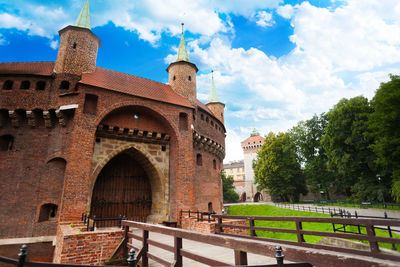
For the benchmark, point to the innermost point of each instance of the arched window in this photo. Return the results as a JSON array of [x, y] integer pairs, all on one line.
[[190, 78], [64, 85], [6, 142], [174, 78], [8, 85], [207, 119], [25, 85], [199, 160], [40, 85], [214, 164], [48, 212], [202, 117], [183, 121], [74, 46]]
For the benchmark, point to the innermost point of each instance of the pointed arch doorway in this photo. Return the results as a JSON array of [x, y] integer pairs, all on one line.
[[122, 188]]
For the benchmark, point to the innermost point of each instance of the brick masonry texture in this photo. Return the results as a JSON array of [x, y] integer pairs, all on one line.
[[210, 227], [60, 144], [74, 246]]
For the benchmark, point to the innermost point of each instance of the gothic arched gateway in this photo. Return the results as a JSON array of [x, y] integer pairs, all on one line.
[[122, 188]]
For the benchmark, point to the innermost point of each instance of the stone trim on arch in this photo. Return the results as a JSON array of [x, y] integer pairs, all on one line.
[[155, 162]]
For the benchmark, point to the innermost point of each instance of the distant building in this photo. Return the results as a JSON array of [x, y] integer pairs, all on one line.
[[236, 170], [250, 148]]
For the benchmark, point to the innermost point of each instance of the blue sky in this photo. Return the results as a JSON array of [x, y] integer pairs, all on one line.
[[276, 62]]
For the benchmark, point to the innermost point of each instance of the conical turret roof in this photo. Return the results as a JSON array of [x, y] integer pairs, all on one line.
[[213, 92], [182, 51], [83, 20]]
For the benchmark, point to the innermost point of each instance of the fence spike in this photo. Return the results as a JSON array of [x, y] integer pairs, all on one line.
[[279, 256], [22, 255], [131, 259]]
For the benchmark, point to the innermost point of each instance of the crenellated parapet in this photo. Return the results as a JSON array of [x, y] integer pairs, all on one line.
[[208, 145]]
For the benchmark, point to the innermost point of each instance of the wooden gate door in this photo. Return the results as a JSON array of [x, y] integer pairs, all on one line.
[[122, 188]]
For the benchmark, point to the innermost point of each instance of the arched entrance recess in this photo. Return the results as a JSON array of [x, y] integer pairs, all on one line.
[[243, 197], [258, 197], [122, 188], [129, 184]]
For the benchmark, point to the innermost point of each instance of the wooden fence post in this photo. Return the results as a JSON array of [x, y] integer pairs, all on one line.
[[177, 251], [299, 227], [145, 259], [371, 236], [240, 257], [252, 231], [126, 241]]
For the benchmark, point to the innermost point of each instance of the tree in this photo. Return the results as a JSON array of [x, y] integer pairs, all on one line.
[[384, 123], [347, 145], [307, 137], [228, 190], [278, 168]]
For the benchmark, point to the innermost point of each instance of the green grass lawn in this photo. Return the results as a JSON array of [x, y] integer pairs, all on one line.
[[268, 210]]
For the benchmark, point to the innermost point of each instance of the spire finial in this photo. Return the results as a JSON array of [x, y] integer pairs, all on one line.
[[182, 52], [213, 92], [83, 20]]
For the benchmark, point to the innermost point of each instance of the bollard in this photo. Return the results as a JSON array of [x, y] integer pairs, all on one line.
[[131, 259], [279, 256], [22, 255]]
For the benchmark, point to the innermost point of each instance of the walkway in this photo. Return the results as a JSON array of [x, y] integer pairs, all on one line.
[[222, 254]]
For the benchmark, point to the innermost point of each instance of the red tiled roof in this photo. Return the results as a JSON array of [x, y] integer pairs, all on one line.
[[37, 68], [253, 139], [133, 85], [107, 79]]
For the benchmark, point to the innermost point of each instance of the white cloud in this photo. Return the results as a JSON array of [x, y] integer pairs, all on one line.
[[3, 40], [285, 11], [8, 21], [54, 44], [264, 19]]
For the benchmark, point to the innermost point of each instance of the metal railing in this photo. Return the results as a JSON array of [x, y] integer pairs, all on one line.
[[369, 224], [91, 222], [201, 216]]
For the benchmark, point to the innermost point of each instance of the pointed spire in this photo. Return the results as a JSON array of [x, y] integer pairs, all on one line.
[[182, 52], [83, 20], [213, 92]]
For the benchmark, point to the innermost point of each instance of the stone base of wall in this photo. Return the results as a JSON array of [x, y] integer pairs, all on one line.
[[210, 227], [75, 246]]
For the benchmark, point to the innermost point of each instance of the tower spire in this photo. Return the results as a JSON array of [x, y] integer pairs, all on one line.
[[182, 52], [83, 20], [213, 92]]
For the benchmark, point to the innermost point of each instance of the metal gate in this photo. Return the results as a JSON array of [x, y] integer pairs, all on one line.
[[122, 188]]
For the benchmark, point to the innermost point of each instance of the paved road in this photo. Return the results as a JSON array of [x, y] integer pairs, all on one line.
[[219, 253]]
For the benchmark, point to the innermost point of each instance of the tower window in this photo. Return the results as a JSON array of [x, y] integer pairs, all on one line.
[[207, 119], [8, 85], [64, 85], [212, 123], [199, 160], [40, 85], [202, 117], [190, 78], [48, 212], [6, 142], [74, 46], [25, 85], [214, 164], [90, 105], [174, 78]]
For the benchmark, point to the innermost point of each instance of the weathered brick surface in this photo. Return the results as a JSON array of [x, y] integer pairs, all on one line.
[[210, 227], [74, 246], [56, 159]]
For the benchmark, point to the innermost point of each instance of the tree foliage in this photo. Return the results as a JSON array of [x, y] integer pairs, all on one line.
[[278, 168], [384, 123], [307, 137], [228, 190]]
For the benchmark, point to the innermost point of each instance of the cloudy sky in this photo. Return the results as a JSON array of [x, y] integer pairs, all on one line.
[[276, 62]]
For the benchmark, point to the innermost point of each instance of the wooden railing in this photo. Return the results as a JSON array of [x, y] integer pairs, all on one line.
[[240, 246], [369, 224]]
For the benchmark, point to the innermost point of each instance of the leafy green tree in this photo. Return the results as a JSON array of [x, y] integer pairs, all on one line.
[[347, 145], [307, 137], [228, 190], [278, 168], [384, 123]]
